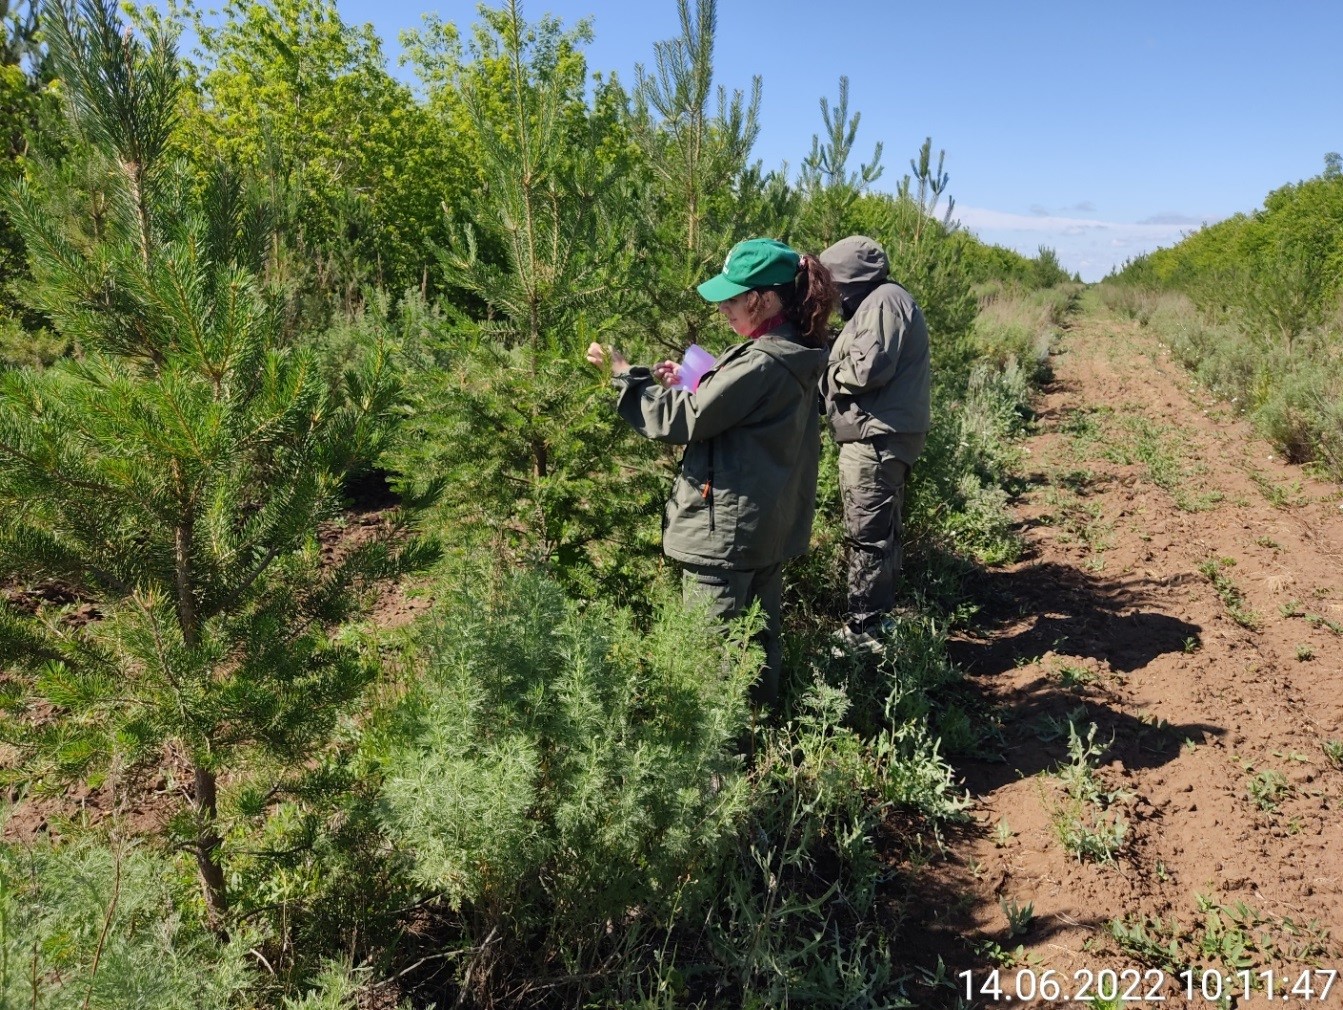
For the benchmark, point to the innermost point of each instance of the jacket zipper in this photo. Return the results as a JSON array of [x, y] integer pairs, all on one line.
[[706, 492]]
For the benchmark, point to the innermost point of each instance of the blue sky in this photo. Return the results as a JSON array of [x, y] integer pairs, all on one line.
[[1099, 129]]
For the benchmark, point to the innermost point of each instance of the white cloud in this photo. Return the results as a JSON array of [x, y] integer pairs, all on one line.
[[1084, 245]]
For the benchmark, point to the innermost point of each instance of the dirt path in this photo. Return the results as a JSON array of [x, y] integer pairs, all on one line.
[[1182, 592]]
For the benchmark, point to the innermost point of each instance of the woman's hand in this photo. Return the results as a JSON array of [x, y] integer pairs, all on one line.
[[667, 374], [597, 355]]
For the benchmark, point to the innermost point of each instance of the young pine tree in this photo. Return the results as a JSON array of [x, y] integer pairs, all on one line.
[[829, 188], [174, 477], [702, 195], [924, 258], [513, 421]]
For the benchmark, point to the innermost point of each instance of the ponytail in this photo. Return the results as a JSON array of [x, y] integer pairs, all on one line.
[[809, 300]]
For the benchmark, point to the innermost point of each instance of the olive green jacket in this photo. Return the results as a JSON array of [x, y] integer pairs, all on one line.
[[746, 493], [878, 378]]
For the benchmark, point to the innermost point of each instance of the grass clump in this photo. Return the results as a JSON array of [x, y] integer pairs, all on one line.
[[1214, 569]]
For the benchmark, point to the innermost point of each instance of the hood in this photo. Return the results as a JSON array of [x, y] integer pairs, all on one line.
[[856, 260], [859, 266]]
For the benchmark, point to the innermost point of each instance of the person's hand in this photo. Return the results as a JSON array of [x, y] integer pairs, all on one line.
[[597, 355], [667, 373]]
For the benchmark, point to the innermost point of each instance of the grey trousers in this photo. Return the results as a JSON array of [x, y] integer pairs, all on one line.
[[872, 475], [730, 594]]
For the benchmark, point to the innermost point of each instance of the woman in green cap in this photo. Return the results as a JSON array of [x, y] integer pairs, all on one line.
[[744, 499]]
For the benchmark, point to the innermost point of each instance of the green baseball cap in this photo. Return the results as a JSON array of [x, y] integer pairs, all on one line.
[[753, 263]]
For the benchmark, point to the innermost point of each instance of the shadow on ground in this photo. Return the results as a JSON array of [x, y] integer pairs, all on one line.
[[1035, 609], [1043, 607]]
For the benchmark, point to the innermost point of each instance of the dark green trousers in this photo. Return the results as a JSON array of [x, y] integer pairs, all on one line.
[[872, 475], [730, 594]]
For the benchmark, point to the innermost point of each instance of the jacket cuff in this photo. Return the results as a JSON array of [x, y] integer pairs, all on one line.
[[636, 374]]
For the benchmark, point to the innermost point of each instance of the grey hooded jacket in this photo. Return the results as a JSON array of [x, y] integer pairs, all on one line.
[[878, 378], [746, 493]]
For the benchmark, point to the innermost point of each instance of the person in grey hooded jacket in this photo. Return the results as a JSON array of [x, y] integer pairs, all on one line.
[[877, 398], [745, 496]]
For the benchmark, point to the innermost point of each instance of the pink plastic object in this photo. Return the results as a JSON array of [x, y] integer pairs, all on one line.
[[694, 364]]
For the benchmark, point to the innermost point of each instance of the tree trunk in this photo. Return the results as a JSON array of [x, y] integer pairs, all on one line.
[[207, 851]]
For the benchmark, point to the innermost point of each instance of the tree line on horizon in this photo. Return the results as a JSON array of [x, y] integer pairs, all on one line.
[[1254, 308]]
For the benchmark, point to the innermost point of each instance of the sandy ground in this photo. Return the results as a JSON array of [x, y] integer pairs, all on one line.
[[1182, 591]]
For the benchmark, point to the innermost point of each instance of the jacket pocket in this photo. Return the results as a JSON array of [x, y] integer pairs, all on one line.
[[846, 419]]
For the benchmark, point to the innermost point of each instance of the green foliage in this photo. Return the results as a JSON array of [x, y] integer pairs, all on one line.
[[829, 189], [292, 93], [539, 785], [698, 193], [176, 476], [1233, 599], [957, 493], [526, 446], [1079, 819], [86, 926], [556, 769], [1266, 332]]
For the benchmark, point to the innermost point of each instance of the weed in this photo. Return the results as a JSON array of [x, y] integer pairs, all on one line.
[[1214, 569], [1294, 609], [1151, 939], [1079, 821], [1082, 521], [1269, 543], [1085, 425], [1019, 917], [1316, 621], [1333, 751], [992, 951], [1282, 496], [1267, 789], [1228, 938], [1075, 676], [1099, 840], [1077, 481], [1049, 728], [1304, 653], [1159, 449], [1191, 644]]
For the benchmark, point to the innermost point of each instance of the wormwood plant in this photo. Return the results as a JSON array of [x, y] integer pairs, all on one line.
[[84, 926], [174, 477], [956, 493], [565, 781]]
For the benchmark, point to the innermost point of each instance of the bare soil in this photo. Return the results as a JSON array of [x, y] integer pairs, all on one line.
[[1182, 590]]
